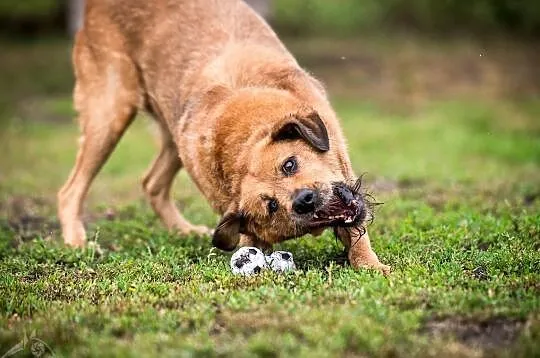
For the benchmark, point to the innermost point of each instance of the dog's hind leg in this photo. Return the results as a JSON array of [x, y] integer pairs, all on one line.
[[105, 96], [157, 186]]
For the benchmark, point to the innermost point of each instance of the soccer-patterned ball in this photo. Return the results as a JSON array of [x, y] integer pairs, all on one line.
[[281, 261], [248, 261]]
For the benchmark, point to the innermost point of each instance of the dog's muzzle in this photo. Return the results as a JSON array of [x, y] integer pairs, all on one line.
[[342, 209]]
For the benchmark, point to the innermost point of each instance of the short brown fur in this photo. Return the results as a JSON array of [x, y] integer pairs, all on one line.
[[221, 86]]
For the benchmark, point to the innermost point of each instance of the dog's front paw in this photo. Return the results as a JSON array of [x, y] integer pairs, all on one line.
[[382, 268], [74, 234]]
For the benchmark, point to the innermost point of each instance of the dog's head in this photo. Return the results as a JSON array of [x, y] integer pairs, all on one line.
[[294, 184]]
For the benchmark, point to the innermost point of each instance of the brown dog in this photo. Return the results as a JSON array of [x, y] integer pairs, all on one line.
[[255, 132]]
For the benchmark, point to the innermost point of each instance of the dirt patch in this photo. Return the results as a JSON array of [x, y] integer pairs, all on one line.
[[19, 205], [27, 218], [251, 322], [28, 226], [45, 109], [385, 185], [487, 334], [414, 70], [480, 273], [530, 198]]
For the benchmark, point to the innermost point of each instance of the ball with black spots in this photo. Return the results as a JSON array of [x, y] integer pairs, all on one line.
[[248, 261], [281, 261]]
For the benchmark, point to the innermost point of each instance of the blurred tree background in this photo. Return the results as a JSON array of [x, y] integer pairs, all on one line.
[[328, 18], [32, 17], [403, 53], [349, 17]]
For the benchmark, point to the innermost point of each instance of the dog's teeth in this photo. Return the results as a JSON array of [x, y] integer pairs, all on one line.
[[315, 216]]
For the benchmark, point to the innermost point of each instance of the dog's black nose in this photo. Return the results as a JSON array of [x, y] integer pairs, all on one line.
[[344, 193], [304, 202]]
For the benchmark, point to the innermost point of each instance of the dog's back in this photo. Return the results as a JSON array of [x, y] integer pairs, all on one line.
[[168, 41]]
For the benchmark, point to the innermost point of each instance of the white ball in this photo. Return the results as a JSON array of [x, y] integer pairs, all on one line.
[[281, 261], [248, 261]]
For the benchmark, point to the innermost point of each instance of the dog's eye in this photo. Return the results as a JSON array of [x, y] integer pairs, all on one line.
[[272, 206], [290, 166]]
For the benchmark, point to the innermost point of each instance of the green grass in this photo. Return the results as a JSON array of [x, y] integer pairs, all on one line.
[[460, 226]]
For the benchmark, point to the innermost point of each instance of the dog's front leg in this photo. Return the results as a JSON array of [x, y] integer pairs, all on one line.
[[359, 249]]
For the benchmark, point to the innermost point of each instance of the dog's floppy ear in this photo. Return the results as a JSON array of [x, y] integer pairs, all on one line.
[[227, 233], [309, 128]]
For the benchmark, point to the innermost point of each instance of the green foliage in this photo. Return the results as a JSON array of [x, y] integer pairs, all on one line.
[[349, 17], [320, 17], [27, 8]]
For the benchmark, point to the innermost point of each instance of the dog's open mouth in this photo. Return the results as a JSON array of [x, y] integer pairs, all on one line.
[[346, 208]]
